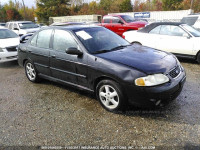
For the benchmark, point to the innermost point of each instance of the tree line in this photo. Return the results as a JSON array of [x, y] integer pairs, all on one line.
[[15, 11], [52, 8]]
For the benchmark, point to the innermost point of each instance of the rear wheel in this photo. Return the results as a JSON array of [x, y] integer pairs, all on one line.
[[198, 57], [31, 72], [110, 95]]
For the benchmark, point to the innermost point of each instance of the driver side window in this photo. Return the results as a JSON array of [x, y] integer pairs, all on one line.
[[63, 40], [172, 30], [116, 20]]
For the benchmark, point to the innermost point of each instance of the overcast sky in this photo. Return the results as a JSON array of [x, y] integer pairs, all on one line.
[[30, 3]]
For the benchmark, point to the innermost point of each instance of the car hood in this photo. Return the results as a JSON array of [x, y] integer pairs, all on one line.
[[142, 58], [9, 42]]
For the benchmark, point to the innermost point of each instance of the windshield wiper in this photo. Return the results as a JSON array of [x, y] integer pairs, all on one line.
[[119, 47], [113, 49], [101, 51]]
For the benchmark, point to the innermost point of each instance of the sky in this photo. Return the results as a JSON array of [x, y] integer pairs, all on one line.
[[31, 3], [28, 3]]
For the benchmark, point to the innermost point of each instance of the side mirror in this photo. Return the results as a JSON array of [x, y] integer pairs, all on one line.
[[73, 51], [186, 35], [25, 38], [15, 29], [121, 22]]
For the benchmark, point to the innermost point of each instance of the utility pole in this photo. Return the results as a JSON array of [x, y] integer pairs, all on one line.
[[24, 10], [191, 5]]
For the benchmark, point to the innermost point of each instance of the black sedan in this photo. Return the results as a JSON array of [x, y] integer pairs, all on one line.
[[98, 60]]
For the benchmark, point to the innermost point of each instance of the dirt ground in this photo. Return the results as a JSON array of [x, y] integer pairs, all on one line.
[[50, 114]]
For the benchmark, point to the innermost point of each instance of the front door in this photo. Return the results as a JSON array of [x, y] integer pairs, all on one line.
[[175, 40], [65, 66]]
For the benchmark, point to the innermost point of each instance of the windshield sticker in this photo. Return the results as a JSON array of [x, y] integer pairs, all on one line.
[[84, 35]]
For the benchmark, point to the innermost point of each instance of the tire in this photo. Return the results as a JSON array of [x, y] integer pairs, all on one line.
[[110, 95], [31, 72], [198, 57]]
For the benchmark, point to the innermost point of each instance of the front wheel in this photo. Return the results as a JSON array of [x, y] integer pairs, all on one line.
[[31, 72], [110, 95]]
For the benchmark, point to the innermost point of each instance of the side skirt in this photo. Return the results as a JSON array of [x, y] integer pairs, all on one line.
[[185, 56], [65, 82]]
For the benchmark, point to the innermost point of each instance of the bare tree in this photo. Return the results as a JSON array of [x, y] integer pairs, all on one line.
[[24, 10]]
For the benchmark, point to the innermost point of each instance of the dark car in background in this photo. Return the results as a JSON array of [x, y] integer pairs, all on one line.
[[100, 61]]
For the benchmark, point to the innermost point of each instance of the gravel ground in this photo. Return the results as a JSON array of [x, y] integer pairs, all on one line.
[[50, 114]]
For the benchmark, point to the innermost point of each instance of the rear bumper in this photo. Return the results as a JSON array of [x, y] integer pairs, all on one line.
[[8, 56], [154, 96]]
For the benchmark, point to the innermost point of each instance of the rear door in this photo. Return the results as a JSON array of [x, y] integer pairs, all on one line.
[[39, 49]]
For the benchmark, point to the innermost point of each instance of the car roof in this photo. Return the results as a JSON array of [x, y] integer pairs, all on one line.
[[66, 23], [151, 26], [74, 27]]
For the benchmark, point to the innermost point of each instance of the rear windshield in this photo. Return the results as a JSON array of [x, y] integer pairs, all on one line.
[[5, 34], [28, 25]]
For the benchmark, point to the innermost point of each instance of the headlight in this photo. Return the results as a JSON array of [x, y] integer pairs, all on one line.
[[152, 80]]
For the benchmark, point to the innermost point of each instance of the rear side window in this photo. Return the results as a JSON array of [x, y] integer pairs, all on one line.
[[11, 26], [156, 30], [63, 40], [107, 20], [15, 26], [43, 38]]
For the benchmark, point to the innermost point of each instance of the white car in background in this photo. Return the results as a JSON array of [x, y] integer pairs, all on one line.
[[192, 20], [177, 38], [22, 27], [9, 42]]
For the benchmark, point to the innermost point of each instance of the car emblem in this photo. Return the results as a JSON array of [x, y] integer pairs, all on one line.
[[177, 71]]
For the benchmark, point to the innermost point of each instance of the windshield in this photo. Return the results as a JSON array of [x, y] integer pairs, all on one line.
[[28, 25], [98, 40], [5, 34], [192, 30], [128, 19]]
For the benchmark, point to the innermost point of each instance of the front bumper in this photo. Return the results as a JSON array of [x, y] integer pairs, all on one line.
[[157, 95], [8, 56]]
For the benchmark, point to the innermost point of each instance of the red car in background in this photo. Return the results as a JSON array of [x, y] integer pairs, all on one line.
[[122, 23]]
